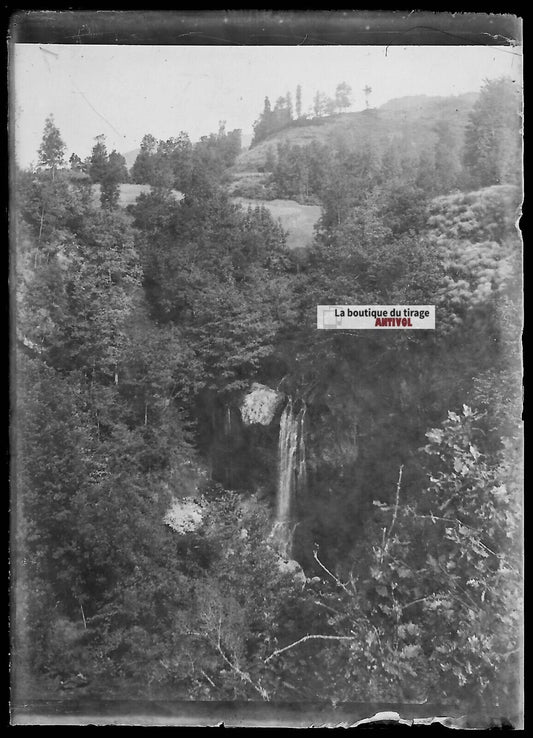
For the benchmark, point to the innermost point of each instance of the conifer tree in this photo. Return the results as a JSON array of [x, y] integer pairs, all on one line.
[[492, 140], [288, 99], [52, 148], [98, 159], [299, 101]]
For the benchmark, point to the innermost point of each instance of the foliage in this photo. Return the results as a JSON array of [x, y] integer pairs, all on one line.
[[206, 274], [142, 171], [178, 164], [52, 148], [137, 331], [341, 177], [75, 162], [298, 101], [492, 151], [52, 206], [109, 170], [115, 173], [242, 602], [434, 612], [477, 238], [92, 451], [98, 159], [273, 120], [343, 93], [298, 172], [270, 121]]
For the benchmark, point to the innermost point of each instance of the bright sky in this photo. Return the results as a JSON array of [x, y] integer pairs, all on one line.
[[127, 91]]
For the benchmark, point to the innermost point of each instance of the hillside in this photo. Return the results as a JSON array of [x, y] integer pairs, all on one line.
[[418, 102], [409, 121]]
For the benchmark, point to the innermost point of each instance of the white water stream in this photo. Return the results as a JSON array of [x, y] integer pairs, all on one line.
[[291, 475]]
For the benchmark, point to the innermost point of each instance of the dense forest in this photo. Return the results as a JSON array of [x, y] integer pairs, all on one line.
[[217, 501]]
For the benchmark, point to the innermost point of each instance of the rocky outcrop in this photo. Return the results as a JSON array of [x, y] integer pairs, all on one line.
[[184, 515], [293, 569], [260, 405]]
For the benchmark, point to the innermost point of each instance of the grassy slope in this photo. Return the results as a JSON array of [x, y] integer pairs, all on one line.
[[129, 193], [298, 220], [408, 121]]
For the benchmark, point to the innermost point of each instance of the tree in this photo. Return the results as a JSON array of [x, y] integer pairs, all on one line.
[[433, 609], [330, 106], [52, 148], [263, 126], [229, 145], [288, 98], [161, 166], [115, 172], [343, 94], [447, 158], [317, 104], [299, 101], [320, 104], [270, 160], [492, 150], [49, 206], [98, 160], [76, 163], [208, 273], [143, 168], [119, 163], [182, 161], [281, 113]]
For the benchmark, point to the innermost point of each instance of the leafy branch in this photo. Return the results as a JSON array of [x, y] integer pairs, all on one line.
[[335, 579], [310, 638], [387, 535]]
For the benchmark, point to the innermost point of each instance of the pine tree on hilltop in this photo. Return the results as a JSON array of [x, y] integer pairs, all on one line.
[[288, 99], [343, 94], [299, 101]]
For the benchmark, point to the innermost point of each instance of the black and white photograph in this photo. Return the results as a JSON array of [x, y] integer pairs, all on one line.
[[266, 369]]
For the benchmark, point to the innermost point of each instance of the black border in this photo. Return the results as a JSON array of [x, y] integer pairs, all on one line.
[[264, 27], [252, 28]]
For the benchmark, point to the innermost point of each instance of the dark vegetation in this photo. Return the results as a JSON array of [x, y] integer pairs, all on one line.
[[284, 113], [137, 329]]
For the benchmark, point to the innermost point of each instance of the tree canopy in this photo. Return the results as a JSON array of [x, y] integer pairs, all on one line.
[[52, 148]]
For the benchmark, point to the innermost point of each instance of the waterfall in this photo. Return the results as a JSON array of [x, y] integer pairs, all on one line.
[[291, 474], [227, 421], [301, 479]]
